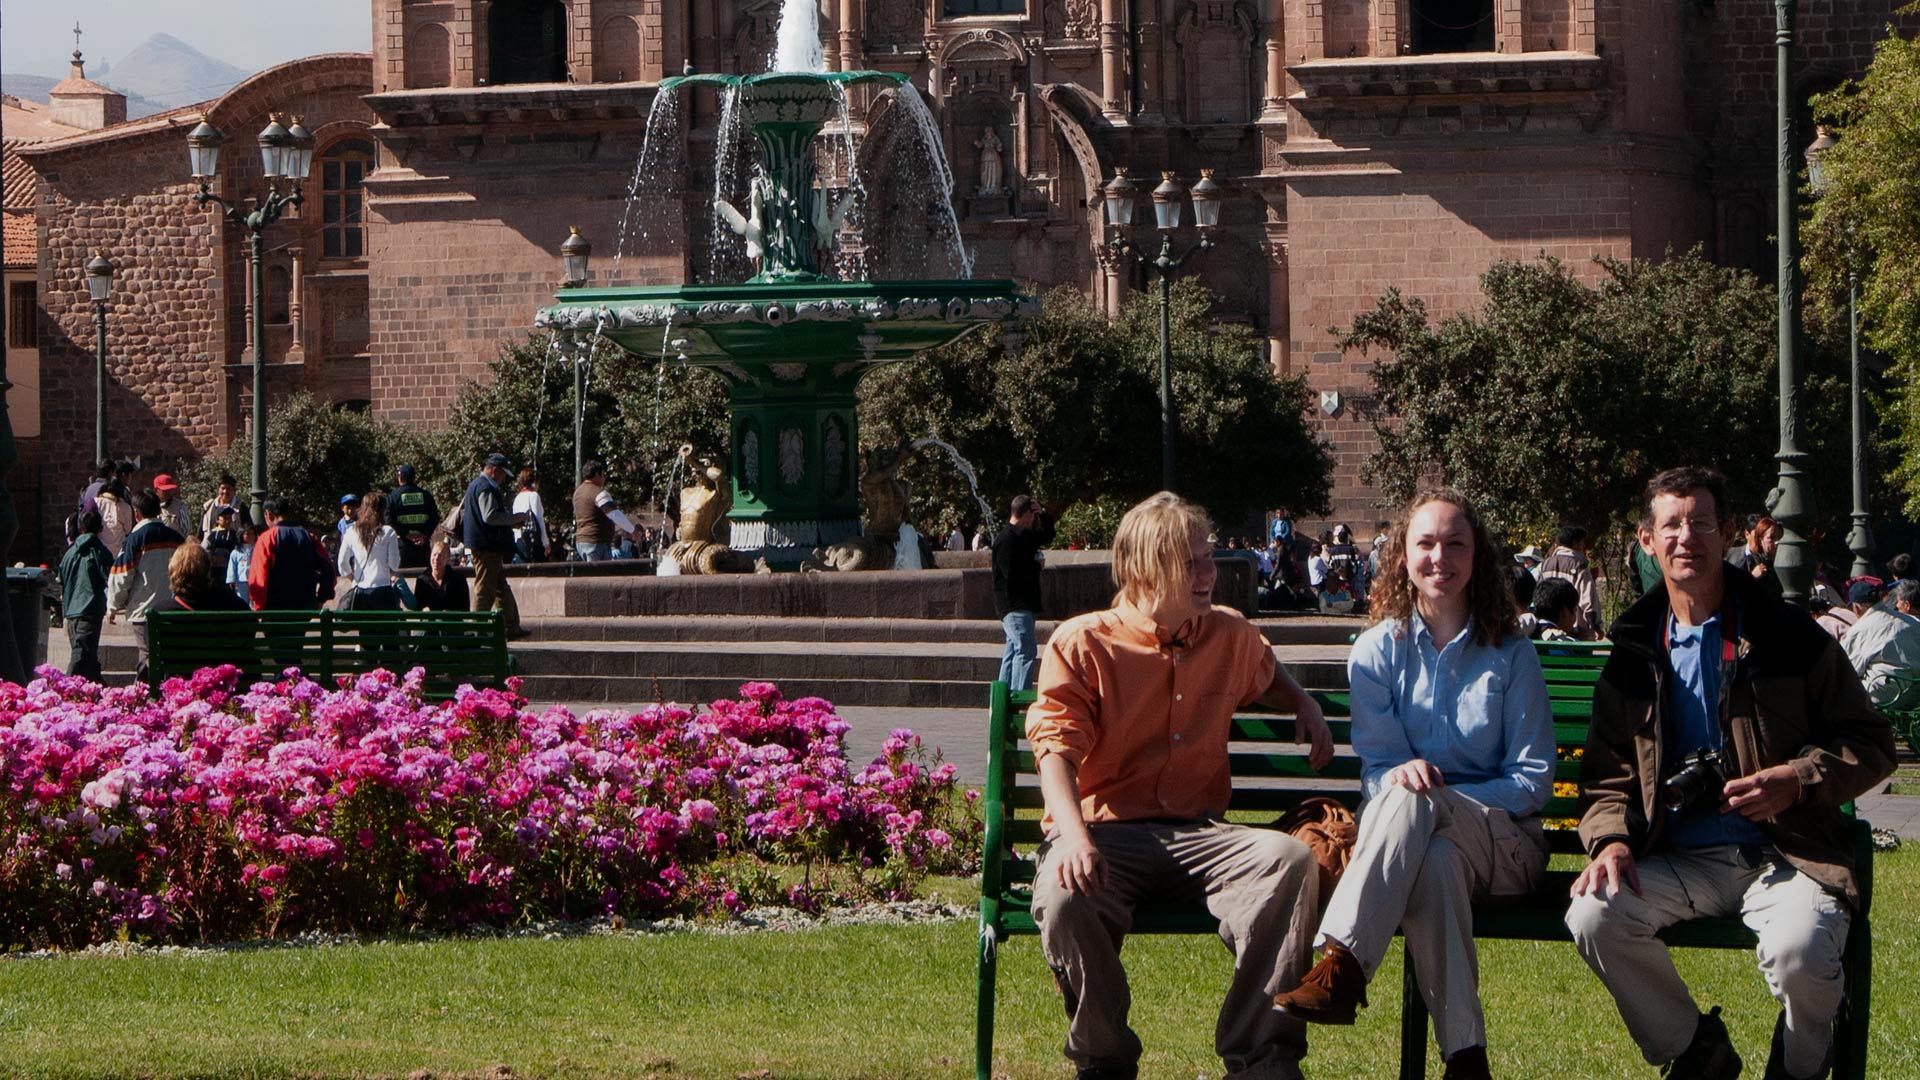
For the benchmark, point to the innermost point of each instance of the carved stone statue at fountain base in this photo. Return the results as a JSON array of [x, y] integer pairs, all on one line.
[[703, 505]]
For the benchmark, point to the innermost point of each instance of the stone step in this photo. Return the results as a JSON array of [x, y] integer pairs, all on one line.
[[1293, 630], [918, 694]]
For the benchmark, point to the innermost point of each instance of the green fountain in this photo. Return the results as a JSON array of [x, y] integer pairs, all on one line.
[[791, 342]]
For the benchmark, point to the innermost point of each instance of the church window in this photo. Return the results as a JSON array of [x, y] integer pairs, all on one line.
[[1445, 26], [342, 200], [526, 42]]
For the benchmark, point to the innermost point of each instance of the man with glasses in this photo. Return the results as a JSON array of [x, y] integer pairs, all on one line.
[[1727, 731]]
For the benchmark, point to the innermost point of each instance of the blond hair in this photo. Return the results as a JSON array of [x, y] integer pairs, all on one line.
[[189, 570], [1153, 546]]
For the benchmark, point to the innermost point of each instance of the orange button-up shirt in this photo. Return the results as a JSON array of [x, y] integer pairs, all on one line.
[[1143, 714]]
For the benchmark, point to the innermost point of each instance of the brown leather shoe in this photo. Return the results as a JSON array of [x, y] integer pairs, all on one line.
[[1331, 993], [1468, 1064]]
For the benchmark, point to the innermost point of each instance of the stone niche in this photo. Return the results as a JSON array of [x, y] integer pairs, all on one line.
[[1214, 43]]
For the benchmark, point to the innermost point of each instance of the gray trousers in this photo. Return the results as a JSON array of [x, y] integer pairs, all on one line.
[[1802, 930], [1419, 862], [1263, 887]]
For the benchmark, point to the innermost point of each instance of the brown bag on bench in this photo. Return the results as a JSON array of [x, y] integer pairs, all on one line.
[[1328, 829]]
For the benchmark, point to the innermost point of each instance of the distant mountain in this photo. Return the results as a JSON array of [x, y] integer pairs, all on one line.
[[170, 73], [35, 87]]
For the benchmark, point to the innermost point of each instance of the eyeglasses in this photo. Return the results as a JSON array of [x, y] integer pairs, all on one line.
[[1698, 526]]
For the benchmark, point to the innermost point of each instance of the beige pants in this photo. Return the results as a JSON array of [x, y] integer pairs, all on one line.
[[1263, 887], [1802, 930], [1419, 862], [490, 588]]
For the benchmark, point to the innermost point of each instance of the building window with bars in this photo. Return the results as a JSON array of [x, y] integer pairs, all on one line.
[[952, 8], [23, 315], [342, 200]]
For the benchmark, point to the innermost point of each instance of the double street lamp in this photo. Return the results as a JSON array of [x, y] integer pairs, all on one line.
[[286, 153], [1121, 193], [1860, 537], [99, 284]]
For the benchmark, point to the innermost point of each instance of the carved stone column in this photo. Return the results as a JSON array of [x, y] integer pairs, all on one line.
[[1150, 64], [1113, 44], [477, 34], [850, 13], [1113, 269], [1279, 313], [1273, 103], [296, 305]]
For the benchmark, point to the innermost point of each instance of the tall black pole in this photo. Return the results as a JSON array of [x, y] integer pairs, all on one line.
[[1166, 378], [100, 381], [257, 256], [1789, 502], [579, 415], [1860, 537]]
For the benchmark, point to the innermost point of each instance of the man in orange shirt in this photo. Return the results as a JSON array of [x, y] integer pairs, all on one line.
[[1130, 734]]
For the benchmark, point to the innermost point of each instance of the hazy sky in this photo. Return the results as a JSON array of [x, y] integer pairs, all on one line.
[[36, 36]]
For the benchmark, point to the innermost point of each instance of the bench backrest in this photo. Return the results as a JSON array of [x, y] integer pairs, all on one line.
[[1270, 772], [454, 647]]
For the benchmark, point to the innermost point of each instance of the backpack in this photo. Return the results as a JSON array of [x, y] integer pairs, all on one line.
[[1328, 829]]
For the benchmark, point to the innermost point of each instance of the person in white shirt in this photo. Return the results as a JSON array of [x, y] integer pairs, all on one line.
[[532, 540], [370, 559], [1884, 648]]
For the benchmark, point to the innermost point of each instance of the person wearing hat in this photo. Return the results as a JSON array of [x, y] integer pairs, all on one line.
[[226, 496], [1883, 645], [487, 522], [173, 509], [349, 510], [1529, 558], [413, 514]]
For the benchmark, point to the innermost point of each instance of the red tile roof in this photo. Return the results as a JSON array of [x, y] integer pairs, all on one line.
[[21, 240]]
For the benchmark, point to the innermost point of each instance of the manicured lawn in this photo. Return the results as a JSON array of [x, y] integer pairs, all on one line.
[[833, 1004]]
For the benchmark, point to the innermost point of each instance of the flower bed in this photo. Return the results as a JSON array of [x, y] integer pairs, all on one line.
[[216, 812]]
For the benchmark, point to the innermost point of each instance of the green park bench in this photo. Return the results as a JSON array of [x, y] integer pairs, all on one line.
[[454, 647], [1263, 752]]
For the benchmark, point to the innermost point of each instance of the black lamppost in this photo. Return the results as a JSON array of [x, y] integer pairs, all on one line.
[[99, 284], [574, 253], [1860, 537], [285, 154], [1205, 195], [1789, 502]]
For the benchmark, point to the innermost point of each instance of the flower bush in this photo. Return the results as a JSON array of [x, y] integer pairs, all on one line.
[[214, 811]]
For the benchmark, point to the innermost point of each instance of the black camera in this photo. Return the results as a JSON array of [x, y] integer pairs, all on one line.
[[1699, 781]]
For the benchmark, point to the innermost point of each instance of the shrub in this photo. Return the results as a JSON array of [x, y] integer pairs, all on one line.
[[216, 812]]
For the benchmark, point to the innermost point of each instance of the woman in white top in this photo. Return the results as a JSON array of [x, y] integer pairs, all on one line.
[[370, 559], [532, 541]]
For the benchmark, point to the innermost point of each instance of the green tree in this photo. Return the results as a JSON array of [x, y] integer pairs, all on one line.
[[1866, 223], [315, 454], [638, 412], [1074, 414], [1558, 400]]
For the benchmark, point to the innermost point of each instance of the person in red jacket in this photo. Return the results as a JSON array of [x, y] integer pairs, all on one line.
[[290, 570]]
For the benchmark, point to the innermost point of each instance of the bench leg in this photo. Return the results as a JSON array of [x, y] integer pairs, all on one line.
[[983, 1005], [1850, 1026], [1413, 1024]]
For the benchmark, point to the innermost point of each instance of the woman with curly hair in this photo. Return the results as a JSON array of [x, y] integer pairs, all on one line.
[[1455, 736]]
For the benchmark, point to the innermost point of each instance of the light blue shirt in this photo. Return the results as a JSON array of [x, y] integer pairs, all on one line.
[[1693, 703], [1478, 713]]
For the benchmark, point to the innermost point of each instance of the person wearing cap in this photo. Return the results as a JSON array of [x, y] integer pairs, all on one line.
[[596, 520], [1529, 559], [487, 522], [349, 511], [1883, 645], [173, 509], [413, 514], [226, 496]]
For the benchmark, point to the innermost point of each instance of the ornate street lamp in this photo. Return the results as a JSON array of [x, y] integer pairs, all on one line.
[[1789, 502], [286, 154], [574, 254], [99, 285], [1167, 199], [1860, 537]]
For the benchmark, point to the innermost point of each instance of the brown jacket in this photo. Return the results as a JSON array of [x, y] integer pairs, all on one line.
[[1794, 700]]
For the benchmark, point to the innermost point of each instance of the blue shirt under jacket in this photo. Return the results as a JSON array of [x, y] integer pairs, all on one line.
[[1478, 713]]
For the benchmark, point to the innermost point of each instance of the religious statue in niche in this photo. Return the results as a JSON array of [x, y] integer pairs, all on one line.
[[793, 456], [1082, 19], [992, 163]]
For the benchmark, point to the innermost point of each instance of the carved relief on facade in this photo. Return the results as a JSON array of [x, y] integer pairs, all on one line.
[[983, 61], [1073, 20], [1214, 50]]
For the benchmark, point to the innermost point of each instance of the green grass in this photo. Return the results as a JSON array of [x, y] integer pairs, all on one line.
[[832, 1004]]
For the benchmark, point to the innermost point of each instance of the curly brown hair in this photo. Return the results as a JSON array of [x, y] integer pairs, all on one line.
[[1489, 594]]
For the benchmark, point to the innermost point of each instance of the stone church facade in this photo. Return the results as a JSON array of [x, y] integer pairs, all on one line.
[[1362, 144]]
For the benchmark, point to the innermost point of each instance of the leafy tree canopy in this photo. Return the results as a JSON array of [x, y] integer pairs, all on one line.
[[1073, 414], [1866, 222], [1559, 400]]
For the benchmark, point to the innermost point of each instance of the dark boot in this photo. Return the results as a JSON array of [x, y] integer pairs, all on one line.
[[1710, 1056], [1468, 1064], [1777, 1056], [1331, 992]]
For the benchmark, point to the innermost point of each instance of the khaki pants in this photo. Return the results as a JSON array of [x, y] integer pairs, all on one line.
[[490, 588], [1419, 862], [1802, 930], [1263, 887]]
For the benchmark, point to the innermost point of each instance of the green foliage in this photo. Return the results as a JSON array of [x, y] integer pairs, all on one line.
[[1867, 222], [1091, 523], [315, 454], [1074, 415], [1559, 400], [638, 412]]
